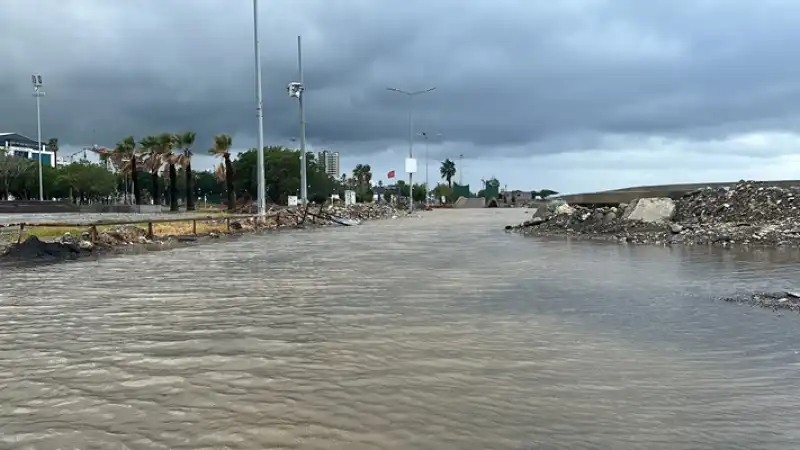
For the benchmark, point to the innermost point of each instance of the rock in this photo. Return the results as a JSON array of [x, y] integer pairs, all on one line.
[[653, 210], [236, 226], [676, 228], [565, 209]]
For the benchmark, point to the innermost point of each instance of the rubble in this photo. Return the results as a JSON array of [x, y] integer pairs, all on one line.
[[784, 300], [74, 246], [748, 213]]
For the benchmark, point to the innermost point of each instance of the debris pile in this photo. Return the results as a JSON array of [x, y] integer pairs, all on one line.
[[34, 249], [746, 213], [73, 246], [776, 300]]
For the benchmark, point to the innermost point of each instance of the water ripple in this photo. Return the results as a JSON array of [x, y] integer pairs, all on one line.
[[433, 333]]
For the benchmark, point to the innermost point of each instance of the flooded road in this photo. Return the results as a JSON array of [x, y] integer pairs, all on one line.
[[435, 333]]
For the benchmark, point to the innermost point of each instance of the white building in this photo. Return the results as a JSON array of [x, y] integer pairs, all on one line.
[[15, 144], [330, 160]]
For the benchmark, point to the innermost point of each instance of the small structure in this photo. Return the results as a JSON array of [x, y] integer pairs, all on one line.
[[349, 197]]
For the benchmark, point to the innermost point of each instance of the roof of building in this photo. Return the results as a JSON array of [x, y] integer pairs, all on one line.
[[16, 137]]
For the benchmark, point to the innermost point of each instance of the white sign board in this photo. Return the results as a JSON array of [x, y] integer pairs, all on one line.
[[334, 196], [349, 197], [292, 200], [411, 165]]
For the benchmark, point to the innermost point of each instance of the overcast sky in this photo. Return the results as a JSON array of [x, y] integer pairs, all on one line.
[[571, 95]]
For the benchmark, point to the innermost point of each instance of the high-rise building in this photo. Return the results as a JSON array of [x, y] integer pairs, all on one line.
[[330, 161]]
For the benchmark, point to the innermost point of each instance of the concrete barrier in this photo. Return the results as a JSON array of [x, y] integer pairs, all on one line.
[[36, 207], [121, 209]]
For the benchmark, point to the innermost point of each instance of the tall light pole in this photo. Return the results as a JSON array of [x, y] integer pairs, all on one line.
[[411, 95], [427, 185], [296, 89], [262, 193], [39, 93]]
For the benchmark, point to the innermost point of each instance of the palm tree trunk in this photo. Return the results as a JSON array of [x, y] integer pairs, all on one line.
[[137, 194], [189, 186], [156, 194], [173, 188], [229, 184]]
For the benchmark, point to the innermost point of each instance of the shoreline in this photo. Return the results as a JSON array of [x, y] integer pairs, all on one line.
[[77, 243]]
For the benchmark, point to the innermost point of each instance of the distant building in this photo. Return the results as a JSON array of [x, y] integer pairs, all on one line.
[[15, 144], [330, 161]]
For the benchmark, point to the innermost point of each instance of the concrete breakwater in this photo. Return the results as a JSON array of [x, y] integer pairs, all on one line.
[[748, 213], [69, 242]]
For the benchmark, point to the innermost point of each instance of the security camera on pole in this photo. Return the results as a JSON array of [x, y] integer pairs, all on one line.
[[39, 93], [296, 89], [262, 208]]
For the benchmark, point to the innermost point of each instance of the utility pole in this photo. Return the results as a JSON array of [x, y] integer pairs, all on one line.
[[39, 93], [262, 197], [296, 89], [410, 96]]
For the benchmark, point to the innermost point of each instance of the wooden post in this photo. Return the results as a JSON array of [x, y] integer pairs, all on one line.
[[149, 230], [278, 219], [228, 223], [21, 230], [93, 234], [194, 226]]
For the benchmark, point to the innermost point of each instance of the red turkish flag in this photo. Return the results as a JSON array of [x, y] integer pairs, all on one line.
[[390, 174]]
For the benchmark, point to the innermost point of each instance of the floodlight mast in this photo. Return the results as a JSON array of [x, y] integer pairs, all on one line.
[[36, 79]]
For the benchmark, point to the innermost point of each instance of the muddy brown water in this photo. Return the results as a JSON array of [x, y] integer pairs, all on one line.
[[435, 333]]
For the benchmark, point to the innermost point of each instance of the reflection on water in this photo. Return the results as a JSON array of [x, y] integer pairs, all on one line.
[[436, 333]]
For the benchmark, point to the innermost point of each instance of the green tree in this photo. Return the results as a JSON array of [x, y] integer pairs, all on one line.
[[448, 171], [207, 185], [86, 181], [544, 193], [222, 149]]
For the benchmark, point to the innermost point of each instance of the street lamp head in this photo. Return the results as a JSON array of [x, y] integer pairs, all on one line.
[[295, 89], [36, 79]]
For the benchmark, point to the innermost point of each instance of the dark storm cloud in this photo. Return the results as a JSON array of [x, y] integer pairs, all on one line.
[[507, 72]]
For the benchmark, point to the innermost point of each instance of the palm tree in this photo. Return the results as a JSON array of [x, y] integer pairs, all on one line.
[[362, 174], [150, 148], [124, 157], [166, 144], [52, 145], [222, 149], [448, 171], [185, 141]]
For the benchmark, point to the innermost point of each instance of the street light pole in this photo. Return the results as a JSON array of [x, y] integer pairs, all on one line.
[[411, 95], [262, 197], [296, 89], [39, 93], [427, 174]]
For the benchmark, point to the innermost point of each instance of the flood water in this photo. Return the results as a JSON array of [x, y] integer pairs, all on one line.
[[435, 333]]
